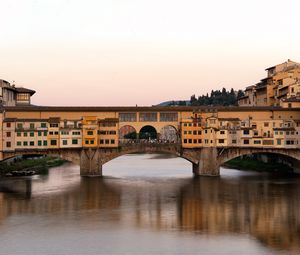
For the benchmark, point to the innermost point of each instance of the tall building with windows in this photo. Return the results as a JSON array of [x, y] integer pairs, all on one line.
[[279, 88]]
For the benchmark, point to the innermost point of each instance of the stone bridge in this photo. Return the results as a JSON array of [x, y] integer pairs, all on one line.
[[206, 160]]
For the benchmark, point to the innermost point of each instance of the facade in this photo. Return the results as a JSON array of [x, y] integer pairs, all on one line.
[[281, 84], [35, 128]]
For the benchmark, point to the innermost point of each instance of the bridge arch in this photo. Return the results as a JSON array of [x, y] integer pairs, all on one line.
[[290, 155], [148, 132], [72, 155], [169, 133], [127, 132]]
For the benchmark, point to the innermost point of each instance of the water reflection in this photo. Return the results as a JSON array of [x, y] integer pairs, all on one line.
[[262, 207]]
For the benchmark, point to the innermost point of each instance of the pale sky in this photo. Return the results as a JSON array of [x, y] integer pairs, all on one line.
[[128, 52]]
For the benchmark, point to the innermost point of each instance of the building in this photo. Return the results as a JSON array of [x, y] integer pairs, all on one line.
[[13, 96], [281, 84]]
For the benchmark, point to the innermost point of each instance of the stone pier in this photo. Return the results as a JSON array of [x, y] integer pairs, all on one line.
[[208, 164], [90, 163]]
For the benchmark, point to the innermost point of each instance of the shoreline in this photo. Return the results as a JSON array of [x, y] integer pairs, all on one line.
[[29, 166]]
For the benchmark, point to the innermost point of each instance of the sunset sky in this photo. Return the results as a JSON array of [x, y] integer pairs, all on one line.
[[128, 52]]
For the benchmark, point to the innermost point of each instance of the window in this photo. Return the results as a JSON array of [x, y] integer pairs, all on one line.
[[65, 142], [246, 141], [45, 143], [8, 144], [127, 117], [23, 97], [64, 132], [205, 131], [221, 141], [101, 141], [185, 132], [56, 132], [31, 143], [8, 134], [268, 142], [43, 125], [266, 124], [106, 141], [234, 141], [51, 133], [278, 141], [222, 132], [246, 132], [112, 141], [45, 133], [90, 132], [25, 134], [190, 140], [199, 132], [195, 141], [76, 133], [54, 125], [168, 116], [53, 142], [8, 124], [19, 125], [19, 143], [199, 141], [31, 134], [19, 134], [257, 141], [25, 143], [148, 116], [39, 143], [74, 141], [92, 142], [86, 142], [39, 133], [194, 132], [31, 125]]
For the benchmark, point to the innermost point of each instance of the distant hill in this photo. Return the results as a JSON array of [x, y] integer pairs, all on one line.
[[175, 103], [215, 98]]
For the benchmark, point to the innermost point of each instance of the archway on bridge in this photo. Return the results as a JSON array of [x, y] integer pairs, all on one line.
[[127, 132], [169, 133], [148, 133]]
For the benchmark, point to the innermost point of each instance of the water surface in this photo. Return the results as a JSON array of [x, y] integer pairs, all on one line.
[[149, 204]]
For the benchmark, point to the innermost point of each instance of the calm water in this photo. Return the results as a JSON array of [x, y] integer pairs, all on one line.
[[147, 204]]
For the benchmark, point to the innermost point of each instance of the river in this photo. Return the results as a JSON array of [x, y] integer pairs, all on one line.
[[149, 204]]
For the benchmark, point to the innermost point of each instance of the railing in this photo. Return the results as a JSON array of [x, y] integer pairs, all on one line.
[[146, 141]]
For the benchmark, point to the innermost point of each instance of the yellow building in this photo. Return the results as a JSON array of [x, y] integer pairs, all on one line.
[[89, 131], [282, 83], [108, 132]]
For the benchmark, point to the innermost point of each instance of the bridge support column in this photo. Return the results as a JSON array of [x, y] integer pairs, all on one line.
[[90, 164], [296, 166], [208, 163]]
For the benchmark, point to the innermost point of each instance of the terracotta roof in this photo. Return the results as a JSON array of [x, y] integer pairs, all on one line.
[[24, 90], [204, 109], [228, 119], [54, 120]]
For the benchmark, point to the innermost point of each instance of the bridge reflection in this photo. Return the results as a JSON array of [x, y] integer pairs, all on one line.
[[267, 209]]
